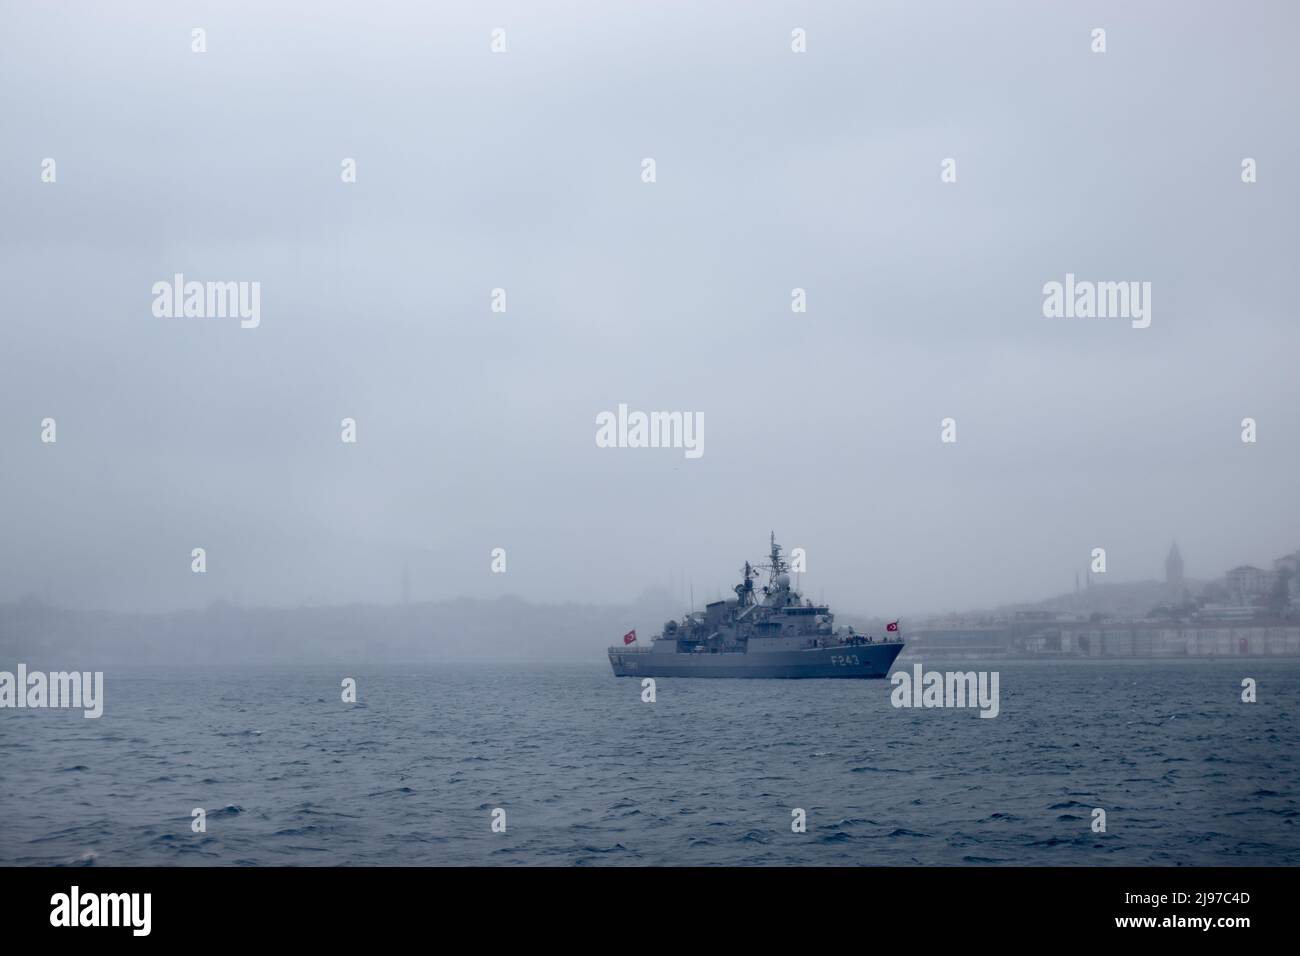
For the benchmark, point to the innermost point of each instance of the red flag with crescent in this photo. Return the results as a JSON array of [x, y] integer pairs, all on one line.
[[630, 637]]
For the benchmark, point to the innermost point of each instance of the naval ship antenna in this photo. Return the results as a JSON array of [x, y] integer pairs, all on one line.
[[777, 565]]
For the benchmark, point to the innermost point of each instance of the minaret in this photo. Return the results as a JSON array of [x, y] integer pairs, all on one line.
[[406, 583]]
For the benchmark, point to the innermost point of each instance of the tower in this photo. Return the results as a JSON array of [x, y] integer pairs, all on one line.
[[1174, 569]]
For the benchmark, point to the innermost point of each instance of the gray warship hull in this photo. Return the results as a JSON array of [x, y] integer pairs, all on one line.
[[860, 661], [767, 632]]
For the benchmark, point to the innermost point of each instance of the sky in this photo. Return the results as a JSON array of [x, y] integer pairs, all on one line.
[[523, 170]]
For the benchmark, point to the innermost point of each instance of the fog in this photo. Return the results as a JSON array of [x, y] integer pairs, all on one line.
[[523, 171]]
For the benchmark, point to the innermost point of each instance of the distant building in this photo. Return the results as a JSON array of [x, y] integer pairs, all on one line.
[[1174, 570], [1231, 613], [1247, 583], [1289, 566]]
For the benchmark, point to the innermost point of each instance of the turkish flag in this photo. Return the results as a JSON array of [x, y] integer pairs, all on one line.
[[630, 637], [892, 627]]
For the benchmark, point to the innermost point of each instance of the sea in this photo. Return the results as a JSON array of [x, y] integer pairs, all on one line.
[[565, 765]]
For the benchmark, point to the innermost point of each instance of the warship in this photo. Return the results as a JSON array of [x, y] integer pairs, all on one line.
[[772, 631]]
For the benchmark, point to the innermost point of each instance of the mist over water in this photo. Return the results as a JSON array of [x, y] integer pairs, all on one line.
[[522, 171]]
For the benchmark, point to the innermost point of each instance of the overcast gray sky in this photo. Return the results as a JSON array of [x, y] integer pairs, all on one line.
[[522, 170]]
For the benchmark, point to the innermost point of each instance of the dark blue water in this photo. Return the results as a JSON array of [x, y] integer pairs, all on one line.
[[588, 774]]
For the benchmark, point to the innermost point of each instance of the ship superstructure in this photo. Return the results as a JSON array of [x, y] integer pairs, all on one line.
[[768, 631]]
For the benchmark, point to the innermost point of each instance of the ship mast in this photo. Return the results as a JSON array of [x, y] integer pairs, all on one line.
[[777, 565], [745, 590]]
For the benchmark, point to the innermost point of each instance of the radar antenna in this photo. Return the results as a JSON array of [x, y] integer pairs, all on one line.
[[775, 563], [745, 590]]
